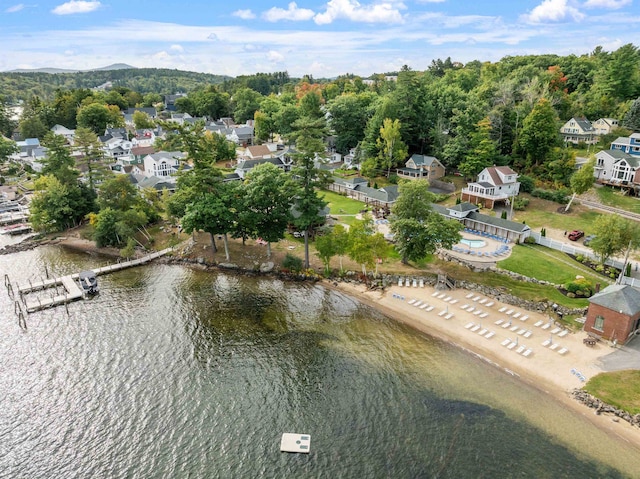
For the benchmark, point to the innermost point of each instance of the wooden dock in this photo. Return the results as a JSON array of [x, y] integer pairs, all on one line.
[[72, 289]]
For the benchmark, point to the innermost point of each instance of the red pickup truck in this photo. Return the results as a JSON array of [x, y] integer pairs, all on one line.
[[575, 235]]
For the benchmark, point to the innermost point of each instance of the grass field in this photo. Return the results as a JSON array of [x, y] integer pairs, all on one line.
[[543, 213], [547, 264], [613, 197], [619, 388]]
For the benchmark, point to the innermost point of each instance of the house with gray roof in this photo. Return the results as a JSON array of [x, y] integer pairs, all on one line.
[[627, 144], [356, 188], [617, 168], [469, 215], [578, 130], [422, 167], [614, 313]]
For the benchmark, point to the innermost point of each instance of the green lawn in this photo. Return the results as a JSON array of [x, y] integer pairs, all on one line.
[[619, 388], [547, 264], [537, 217], [341, 205], [612, 197]]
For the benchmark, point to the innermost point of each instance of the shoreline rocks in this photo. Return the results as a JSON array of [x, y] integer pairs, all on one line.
[[603, 408]]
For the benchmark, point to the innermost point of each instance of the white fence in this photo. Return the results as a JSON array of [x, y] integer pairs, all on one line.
[[565, 248]]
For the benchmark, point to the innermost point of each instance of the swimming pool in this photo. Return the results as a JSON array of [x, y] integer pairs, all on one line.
[[473, 243]]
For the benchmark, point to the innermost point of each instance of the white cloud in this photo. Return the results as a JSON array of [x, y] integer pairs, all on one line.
[[76, 6], [176, 48], [292, 13], [611, 4], [15, 8], [430, 1], [275, 57], [554, 11], [385, 12], [246, 14]]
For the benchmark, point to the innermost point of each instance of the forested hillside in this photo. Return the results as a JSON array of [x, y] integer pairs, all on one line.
[[469, 116], [21, 86]]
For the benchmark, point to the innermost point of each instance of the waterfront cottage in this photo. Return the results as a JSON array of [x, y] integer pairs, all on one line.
[[496, 184]]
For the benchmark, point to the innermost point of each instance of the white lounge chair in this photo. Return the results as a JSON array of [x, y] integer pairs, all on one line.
[[514, 328], [546, 326], [453, 301], [554, 346], [417, 303], [482, 332], [475, 328], [563, 351], [449, 316], [430, 308], [424, 305], [435, 293], [509, 312], [506, 324], [469, 325], [521, 332], [521, 349], [556, 330], [527, 353], [411, 301], [563, 333], [476, 299], [539, 323], [499, 322], [464, 306], [442, 313], [489, 335], [469, 296], [484, 315], [524, 318], [517, 315], [447, 299], [506, 342], [483, 301], [422, 283], [512, 345], [503, 309], [546, 342], [527, 334], [477, 312], [489, 304]]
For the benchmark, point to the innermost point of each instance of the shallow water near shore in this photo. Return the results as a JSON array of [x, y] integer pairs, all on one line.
[[175, 372]]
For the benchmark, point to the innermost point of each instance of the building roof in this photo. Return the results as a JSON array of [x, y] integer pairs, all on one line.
[[258, 151], [618, 297], [583, 123], [618, 155], [423, 160], [388, 194], [482, 218], [143, 150], [464, 207]]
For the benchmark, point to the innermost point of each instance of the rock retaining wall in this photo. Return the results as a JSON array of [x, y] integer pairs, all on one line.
[[602, 407]]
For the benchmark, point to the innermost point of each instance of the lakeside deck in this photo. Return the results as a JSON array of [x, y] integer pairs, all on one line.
[[70, 284]]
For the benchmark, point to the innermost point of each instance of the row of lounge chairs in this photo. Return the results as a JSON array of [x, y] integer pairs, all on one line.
[[477, 328], [487, 235], [408, 282], [518, 348], [578, 374], [548, 343]]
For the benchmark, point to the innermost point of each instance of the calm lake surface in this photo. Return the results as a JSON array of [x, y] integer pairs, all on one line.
[[172, 372]]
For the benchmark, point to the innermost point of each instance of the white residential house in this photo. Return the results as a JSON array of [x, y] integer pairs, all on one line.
[[259, 152], [128, 114], [180, 118], [496, 184], [64, 131], [162, 163], [116, 148], [604, 126], [614, 167], [578, 130]]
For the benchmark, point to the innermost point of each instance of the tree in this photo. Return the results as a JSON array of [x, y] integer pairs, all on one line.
[[326, 250], [483, 151], [87, 143], [214, 213], [50, 208], [539, 133], [117, 193], [418, 230], [141, 120], [268, 196], [245, 103], [581, 181], [391, 148], [613, 235], [632, 118], [7, 148], [360, 246], [32, 127], [58, 161], [308, 134], [340, 239], [349, 116], [98, 117]]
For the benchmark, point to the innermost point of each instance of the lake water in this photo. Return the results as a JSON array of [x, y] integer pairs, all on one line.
[[172, 372]]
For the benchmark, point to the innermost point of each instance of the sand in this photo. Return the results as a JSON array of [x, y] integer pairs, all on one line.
[[545, 368]]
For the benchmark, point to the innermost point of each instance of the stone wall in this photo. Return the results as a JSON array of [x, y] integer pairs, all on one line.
[[602, 407]]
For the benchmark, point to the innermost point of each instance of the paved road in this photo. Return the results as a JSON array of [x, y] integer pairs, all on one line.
[[625, 357]]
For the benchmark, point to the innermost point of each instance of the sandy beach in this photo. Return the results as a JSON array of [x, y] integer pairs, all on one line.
[[544, 368]]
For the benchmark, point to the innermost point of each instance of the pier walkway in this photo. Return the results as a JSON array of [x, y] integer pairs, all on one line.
[[70, 284]]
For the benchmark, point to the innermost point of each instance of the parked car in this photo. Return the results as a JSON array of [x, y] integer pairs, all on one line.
[[588, 239], [575, 235]]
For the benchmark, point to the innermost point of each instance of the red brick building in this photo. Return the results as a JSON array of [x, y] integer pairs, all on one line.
[[614, 313]]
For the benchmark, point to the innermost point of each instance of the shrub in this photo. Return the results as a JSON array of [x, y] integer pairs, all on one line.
[[292, 263], [580, 287], [526, 183], [520, 204], [504, 214], [558, 196], [580, 258], [599, 268], [543, 232], [393, 179], [530, 240], [628, 270]]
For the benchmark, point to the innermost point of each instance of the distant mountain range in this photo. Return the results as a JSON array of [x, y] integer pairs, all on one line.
[[115, 66]]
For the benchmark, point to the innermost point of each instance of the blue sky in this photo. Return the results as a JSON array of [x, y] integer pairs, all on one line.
[[323, 38]]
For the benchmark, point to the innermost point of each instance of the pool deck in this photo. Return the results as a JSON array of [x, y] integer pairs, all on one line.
[[490, 246]]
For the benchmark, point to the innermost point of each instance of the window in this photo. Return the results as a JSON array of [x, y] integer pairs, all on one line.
[[599, 323]]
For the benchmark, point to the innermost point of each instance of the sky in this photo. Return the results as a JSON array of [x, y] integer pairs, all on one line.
[[317, 37]]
